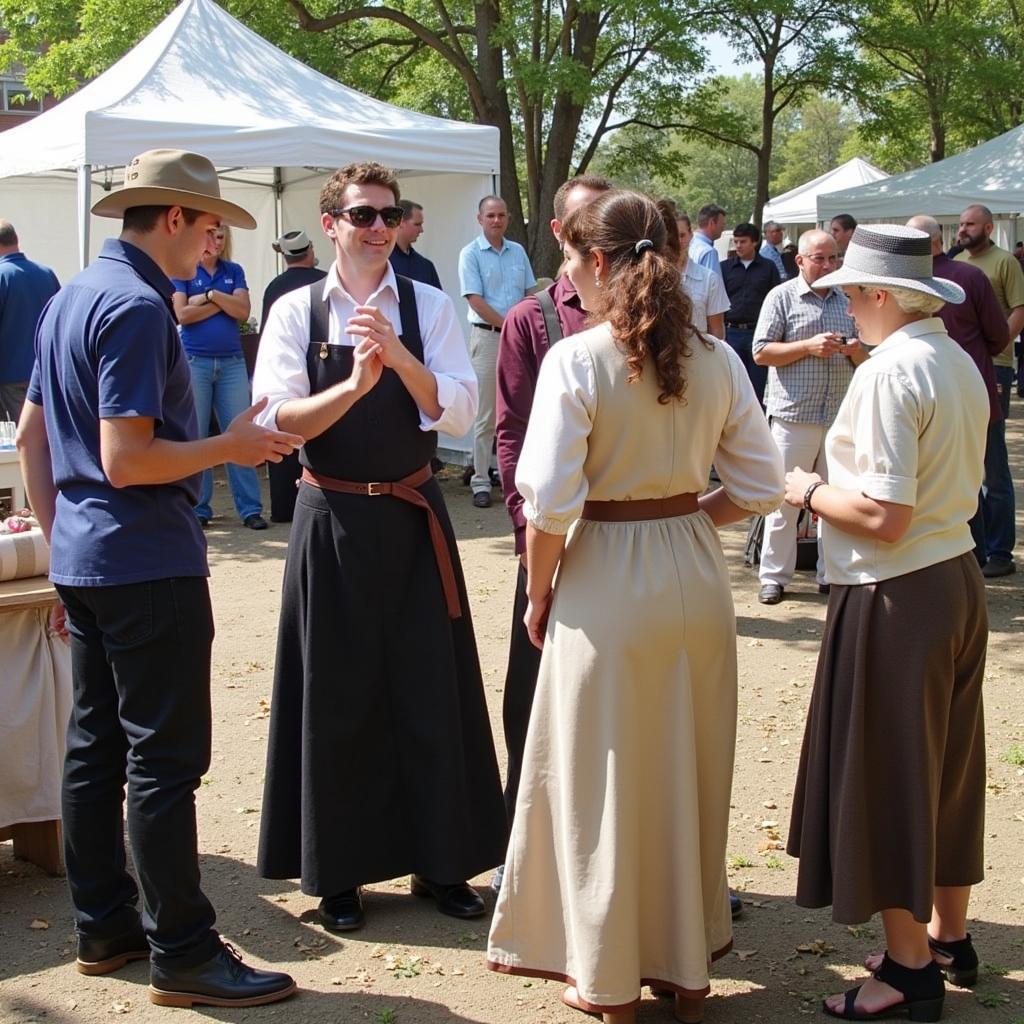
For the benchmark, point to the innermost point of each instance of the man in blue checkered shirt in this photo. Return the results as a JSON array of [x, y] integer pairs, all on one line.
[[805, 338]]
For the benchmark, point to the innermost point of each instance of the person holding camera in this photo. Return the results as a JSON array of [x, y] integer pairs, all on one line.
[[806, 339]]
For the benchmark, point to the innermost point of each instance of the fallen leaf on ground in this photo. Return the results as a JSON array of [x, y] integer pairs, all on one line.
[[38, 924]]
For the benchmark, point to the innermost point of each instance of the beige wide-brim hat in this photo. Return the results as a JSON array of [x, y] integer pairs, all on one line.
[[172, 177], [891, 256]]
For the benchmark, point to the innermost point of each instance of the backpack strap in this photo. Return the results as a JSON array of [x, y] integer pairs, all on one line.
[[552, 325]]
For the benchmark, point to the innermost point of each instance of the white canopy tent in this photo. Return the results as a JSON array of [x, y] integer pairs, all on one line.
[[273, 126], [991, 174], [800, 205]]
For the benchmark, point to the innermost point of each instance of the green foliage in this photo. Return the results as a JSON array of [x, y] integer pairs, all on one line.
[[817, 143], [941, 76], [1015, 755]]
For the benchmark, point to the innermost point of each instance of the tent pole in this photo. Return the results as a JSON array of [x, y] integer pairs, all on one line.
[[278, 209], [84, 203]]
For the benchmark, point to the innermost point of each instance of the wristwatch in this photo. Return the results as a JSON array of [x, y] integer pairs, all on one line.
[[209, 292]]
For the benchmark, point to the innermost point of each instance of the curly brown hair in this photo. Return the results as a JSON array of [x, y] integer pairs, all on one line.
[[332, 195], [642, 297]]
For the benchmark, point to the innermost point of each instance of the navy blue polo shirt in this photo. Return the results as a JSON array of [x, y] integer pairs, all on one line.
[[107, 346], [414, 266], [25, 287], [216, 336]]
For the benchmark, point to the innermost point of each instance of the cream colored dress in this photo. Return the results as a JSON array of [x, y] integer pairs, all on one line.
[[615, 875]]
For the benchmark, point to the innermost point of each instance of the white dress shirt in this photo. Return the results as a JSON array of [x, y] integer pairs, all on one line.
[[281, 364], [707, 294]]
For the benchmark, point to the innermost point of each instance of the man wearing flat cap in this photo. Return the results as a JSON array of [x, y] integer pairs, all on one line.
[[301, 270], [112, 461]]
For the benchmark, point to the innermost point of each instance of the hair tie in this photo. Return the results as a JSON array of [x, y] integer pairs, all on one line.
[[644, 243]]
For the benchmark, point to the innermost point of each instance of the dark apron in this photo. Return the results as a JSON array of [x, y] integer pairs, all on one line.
[[380, 760]]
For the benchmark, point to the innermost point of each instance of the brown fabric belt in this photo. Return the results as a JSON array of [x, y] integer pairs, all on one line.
[[640, 510], [405, 490]]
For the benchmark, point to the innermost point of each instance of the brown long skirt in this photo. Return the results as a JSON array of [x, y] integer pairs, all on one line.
[[890, 795]]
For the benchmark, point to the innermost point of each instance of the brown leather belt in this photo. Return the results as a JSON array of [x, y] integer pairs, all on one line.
[[640, 510], [405, 490]]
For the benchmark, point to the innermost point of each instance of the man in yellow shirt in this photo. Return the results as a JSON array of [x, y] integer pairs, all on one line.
[[1007, 277]]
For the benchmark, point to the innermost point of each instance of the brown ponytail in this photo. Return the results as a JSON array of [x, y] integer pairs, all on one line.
[[642, 298]]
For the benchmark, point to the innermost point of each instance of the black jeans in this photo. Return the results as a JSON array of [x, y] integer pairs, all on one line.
[[140, 658], [520, 684]]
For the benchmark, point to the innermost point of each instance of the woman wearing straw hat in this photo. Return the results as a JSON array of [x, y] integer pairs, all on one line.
[[889, 801]]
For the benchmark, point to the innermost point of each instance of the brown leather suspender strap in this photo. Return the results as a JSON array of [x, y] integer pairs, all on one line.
[[405, 490]]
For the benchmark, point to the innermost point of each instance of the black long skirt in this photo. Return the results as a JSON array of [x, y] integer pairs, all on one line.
[[890, 795], [381, 761]]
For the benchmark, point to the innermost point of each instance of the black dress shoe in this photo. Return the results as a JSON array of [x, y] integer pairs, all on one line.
[[255, 522], [101, 956], [457, 900], [223, 980], [342, 912]]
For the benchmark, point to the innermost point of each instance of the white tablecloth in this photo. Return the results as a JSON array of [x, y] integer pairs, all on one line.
[[35, 703]]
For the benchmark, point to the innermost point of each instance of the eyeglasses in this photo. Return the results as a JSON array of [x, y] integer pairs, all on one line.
[[366, 216], [822, 259]]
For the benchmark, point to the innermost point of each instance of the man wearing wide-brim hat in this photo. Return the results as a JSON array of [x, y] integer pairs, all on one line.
[[111, 461], [888, 807]]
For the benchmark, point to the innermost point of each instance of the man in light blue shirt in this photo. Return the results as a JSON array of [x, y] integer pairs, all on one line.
[[710, 225], [770, 246], [494, 274]]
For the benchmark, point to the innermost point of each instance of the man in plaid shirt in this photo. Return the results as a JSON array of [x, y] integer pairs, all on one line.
[[805, 338]]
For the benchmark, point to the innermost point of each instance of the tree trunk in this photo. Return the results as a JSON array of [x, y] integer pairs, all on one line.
[[491, 71]]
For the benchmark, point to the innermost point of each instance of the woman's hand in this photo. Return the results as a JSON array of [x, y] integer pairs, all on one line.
[[536, 619], [797, 482]]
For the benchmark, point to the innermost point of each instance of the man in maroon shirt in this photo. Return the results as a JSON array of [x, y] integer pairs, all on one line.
[[978, 326], [524, 343]]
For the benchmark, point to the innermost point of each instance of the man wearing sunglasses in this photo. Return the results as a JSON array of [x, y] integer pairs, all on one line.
[[380, 761], [494, 274], [806, 339]]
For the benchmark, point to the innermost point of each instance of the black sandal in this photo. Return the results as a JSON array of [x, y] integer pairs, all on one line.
[[922, 990], [963, 968]]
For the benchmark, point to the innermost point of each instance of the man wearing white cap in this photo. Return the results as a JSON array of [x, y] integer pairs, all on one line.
[[300, 269], [112, 461]]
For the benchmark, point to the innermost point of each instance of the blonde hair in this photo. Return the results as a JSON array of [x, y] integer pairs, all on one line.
[[912, 301], [225, 253]]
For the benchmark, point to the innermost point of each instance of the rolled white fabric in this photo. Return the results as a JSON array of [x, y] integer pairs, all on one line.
[[23, 554]]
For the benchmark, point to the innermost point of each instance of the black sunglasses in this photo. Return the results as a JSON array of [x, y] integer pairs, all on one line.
[[366, 216]]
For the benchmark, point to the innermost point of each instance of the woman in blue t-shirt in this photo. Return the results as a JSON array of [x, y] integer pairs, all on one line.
[[209, 308]]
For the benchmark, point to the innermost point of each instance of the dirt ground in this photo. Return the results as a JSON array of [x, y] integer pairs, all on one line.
[[410, 965]]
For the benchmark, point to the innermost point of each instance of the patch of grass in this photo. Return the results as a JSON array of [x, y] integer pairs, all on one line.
[[738, 860], [1015, 755], [998, 970], [385, 1017], [990, 1000], [773, 864]]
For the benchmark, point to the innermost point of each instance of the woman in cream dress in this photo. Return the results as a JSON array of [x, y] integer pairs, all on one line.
[[615, 876]]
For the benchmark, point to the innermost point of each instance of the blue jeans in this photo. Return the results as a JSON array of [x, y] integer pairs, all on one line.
[[742, 343], [997, 491], [223, 384]]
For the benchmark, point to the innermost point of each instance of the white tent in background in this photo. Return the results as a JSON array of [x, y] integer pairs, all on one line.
[[203, 81], [273, 126], [800, 205], [991, 174]]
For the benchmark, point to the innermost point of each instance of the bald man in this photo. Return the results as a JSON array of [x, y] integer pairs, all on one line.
[[806, 339], [1007, 278]]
